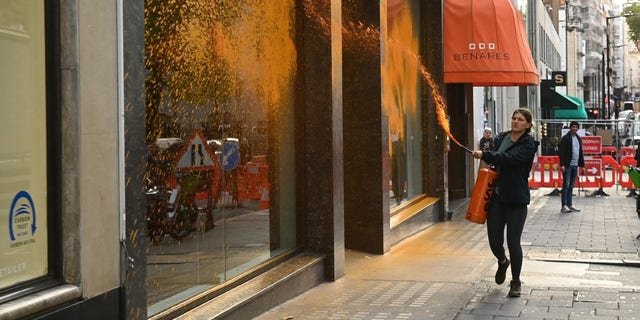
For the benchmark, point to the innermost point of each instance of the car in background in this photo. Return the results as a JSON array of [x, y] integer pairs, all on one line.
[[625, 122], [165, 143], [631, 142], [217, 144], [629, 146]]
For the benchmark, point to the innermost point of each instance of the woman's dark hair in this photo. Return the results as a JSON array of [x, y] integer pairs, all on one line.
[[527, 116]]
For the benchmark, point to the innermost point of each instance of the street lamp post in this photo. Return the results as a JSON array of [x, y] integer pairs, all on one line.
[[608, 70], [605, 110], [606, 74]]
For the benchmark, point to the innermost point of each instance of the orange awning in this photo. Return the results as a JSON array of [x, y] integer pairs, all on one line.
[[485, 44]]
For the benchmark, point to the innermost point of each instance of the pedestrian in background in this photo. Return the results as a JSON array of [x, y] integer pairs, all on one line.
[[486, 143], [571, 158], [512, 155]]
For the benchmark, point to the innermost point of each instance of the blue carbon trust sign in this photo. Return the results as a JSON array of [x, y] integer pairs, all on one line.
[[22, 218]]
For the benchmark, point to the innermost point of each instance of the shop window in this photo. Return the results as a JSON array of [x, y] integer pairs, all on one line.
[[24, 175], [401, 101], [220, 134]]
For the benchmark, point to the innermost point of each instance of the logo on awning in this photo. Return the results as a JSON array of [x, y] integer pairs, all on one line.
[[485, 44]]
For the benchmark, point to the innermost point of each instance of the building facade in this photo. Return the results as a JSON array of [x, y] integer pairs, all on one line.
[[161, 154]]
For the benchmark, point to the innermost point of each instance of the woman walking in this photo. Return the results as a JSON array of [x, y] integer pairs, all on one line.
[[512, 156]]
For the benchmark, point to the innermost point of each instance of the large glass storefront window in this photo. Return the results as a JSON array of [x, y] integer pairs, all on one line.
[[401, 100], [220, 133], [23, 143]]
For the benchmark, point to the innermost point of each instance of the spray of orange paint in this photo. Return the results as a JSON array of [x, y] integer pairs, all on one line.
[[370, 34], [439, 101], [440, 107]]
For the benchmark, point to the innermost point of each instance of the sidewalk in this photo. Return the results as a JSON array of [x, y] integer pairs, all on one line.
[[577, 266]]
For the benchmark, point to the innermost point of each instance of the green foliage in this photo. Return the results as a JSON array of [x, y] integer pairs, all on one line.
[[633, 21]]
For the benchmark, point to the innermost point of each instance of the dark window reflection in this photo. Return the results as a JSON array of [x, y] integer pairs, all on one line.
[[219, 95]]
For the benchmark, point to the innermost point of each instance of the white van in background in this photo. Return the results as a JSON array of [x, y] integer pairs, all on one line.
[[625, 122], [628, 105]]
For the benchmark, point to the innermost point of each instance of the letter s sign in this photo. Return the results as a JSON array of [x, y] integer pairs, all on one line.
[[559, 78]]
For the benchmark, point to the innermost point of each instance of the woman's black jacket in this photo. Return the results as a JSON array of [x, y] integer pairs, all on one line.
[[513, 167]]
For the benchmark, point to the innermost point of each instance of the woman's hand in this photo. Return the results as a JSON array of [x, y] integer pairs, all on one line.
[[477, 154]]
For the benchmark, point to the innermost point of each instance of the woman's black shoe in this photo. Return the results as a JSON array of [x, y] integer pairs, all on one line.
[[514, 292], [501, 274]]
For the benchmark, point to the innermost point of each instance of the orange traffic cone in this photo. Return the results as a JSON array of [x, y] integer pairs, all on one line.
[[264, 198]]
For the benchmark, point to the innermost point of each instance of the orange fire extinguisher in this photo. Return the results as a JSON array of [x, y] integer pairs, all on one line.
[[482, 191]]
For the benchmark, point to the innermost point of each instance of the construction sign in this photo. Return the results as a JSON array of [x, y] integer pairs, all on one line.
[[593, 167], [230, 157], [591, 144], [196, 154]]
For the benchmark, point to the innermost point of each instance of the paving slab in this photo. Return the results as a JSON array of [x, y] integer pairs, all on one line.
[[577, 266]]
